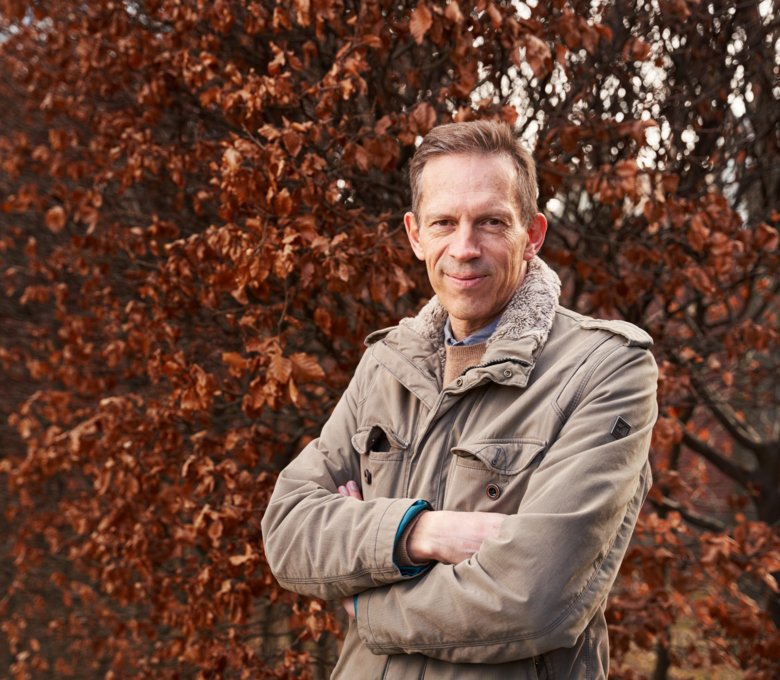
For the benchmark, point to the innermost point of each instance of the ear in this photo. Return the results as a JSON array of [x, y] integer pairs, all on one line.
[[413, 232], [537, 230]]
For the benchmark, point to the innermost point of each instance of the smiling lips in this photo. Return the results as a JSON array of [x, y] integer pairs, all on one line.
[[465, 280]]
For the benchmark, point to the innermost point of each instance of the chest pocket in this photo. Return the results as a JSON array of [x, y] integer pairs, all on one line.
[[382, 458], [491, 476]]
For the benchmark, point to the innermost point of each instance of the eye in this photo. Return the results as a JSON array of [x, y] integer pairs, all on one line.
[[494, 223]]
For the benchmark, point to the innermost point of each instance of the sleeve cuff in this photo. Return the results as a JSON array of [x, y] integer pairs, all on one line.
[[401, 558]]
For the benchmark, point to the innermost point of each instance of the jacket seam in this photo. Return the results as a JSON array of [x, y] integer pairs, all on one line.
[[586, 378], [337, 577], [365, 393], [564, 413], [588, 664], [368, 622], [549, 669], [376, 534], [445, 462]]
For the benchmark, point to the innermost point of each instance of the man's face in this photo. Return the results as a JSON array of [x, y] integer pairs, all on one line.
[[468, 232]]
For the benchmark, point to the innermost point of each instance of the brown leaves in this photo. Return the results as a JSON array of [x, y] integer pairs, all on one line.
[[279, 368], [292, 142], [420, 22], [199, 394], [237, 365], [698, 233], [537, 55], [422, 118], [667, 433], [636, 49], [305, 368], [55, 219], [452, 13], [232, 160], [766, 238]]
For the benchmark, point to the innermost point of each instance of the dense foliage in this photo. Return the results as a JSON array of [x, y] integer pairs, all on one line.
[[200, 219]]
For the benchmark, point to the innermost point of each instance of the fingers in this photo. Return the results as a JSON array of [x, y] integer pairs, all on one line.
[[349, 606], [354, 490], [350, 489]]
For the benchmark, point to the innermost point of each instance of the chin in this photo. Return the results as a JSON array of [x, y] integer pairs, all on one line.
[[476, 319]]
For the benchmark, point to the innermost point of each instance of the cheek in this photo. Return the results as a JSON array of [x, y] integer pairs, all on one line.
[[432, 257], [430, 267], [509, 264]]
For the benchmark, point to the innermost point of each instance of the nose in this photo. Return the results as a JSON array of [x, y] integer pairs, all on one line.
[[464, 245]]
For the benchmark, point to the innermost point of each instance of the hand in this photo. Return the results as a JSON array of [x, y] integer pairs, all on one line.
[[451, 537], [349, 605], [350, 489], [442, 535]]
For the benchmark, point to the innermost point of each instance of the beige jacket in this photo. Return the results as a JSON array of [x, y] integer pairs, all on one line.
[[552, 427]]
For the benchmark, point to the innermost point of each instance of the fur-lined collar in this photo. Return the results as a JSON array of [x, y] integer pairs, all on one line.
[[530, 312]]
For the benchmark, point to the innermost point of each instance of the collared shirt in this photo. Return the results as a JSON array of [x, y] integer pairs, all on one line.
[[474, 339]]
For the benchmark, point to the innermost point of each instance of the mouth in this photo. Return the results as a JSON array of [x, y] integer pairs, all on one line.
[[466, 280]]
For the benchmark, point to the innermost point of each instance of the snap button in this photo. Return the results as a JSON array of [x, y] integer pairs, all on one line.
[[459, 382], [367, 475], [507, 373], [493, 491]]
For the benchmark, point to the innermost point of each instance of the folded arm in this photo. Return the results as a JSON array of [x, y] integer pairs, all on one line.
[[440, 535], [319, 542]]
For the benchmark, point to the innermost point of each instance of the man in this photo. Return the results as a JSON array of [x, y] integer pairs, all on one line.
[[475, 489]]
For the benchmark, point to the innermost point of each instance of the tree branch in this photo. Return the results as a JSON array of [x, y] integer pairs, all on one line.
[[727, 467], [689, 515], [744, 434]]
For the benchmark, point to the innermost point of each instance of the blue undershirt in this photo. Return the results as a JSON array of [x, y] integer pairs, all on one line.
[[474, 339]]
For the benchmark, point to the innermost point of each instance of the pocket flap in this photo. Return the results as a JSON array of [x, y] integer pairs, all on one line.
[[504, 456], [377, 437]]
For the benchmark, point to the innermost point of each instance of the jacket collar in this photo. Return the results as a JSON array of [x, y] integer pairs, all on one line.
[[529, 314]]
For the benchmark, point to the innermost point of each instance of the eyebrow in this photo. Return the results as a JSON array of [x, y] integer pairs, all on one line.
[[505, 215]]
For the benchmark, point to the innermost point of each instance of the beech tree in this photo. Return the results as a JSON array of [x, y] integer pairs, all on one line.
[[200, 220]]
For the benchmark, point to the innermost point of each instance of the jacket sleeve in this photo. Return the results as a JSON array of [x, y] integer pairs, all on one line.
[[536, 586], [316, 541]]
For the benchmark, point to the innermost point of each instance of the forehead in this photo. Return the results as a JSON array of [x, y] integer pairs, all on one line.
[[468, 178]]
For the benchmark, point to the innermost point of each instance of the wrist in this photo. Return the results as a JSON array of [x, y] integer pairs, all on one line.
[[401, 555], [419, 545]]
